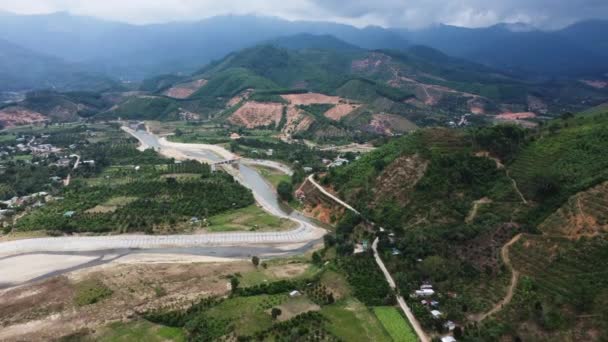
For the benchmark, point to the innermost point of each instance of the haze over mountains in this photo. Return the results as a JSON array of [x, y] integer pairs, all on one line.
[[132, 52]]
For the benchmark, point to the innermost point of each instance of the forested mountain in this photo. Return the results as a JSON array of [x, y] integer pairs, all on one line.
[[133, 51], [418, 83], [575, 51], [23, 69]]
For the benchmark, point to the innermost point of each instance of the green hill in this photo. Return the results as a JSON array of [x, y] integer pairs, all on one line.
[[453, 209]]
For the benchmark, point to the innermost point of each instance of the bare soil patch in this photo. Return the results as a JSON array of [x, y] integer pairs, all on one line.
[[515, 116], [17, 116], [46, 310], [388, 124], [584, 214], [257, 114], [297, 121], [185, 90], [598, 84], [311, 98], [341, 110], [240, 97]]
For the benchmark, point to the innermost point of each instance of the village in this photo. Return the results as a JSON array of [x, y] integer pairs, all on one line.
[[35, 153]]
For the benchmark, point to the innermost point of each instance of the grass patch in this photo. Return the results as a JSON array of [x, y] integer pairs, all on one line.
[[247, 315], [140, 331], [352, 321], [90, 292], [394, 323], [273, 176], [250, 218]]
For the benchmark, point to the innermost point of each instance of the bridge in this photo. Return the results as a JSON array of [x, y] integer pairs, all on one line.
[[233, 161]]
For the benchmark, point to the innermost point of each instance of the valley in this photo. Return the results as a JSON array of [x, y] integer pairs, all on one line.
[[253, 178]]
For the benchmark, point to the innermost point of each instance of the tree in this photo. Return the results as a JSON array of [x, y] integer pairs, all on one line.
[[316, 258], [275, 312], [285, 191], [458, 333], [234, 284], [330, 298], [255, 261], [329, 241]]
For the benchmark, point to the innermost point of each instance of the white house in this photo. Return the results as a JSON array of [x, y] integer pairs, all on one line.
[[436, 314], [448, 339]]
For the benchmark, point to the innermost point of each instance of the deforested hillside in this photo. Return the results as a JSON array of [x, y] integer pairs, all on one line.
[[507, 224], [383, 92]]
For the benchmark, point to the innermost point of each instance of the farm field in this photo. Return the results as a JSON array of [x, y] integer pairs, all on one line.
[[397, 327], [138, 331]]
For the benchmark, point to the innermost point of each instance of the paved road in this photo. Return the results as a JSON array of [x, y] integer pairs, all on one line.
[[266, 197], [302, 234]]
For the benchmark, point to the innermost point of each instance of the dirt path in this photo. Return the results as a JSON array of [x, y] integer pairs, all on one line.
[[521, 195], [504, 252], [422, 336], [476, 204], [501, 166]]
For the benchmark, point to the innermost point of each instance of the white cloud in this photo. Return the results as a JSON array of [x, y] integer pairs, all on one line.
[[407, 13]]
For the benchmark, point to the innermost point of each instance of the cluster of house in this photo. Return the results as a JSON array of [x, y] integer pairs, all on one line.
[[462, 123], [36, 200], [339, 161], [425, 293]]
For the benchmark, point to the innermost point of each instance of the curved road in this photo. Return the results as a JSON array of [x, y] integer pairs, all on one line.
[[305, 234]]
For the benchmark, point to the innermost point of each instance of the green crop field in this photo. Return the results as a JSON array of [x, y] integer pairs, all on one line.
[[140, 331], [395, 324]]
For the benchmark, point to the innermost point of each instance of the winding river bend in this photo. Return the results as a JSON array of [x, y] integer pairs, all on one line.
[[103, 249]]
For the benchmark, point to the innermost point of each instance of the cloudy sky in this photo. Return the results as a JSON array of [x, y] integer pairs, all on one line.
[[396, 13]]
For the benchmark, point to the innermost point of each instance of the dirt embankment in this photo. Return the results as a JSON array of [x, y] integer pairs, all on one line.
[[318, 205], [46, 310], [185, 90], [16, 116], [257, 114]]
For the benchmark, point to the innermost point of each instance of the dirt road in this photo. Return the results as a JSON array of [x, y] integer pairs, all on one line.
[[504, 252]]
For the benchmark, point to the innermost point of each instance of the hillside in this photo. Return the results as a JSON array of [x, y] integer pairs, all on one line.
[[23, 69], [380, 92], [53, 106], [135, 52], [454, 200]]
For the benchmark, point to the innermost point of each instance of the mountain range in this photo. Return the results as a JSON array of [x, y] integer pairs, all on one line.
[[134, 52]]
